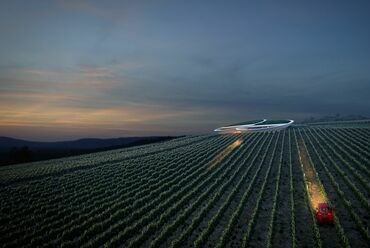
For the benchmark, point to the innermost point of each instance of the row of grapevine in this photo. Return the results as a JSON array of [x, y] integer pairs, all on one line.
[[338, 227], [226, 235], [168, 195], [275, 199], [213, 222], [361, 152], [336, 186], [181, 218], [165, 200], [40, 169], [337, 152], [356, 139], [334, 183], [150, 194], [168, 214], [254, 214], [352, 155], [339, 170], [291, 195], [317, 236], [357, 143], [51, 205], [364, 134], [70, 197], [55, 216], [201, 214]]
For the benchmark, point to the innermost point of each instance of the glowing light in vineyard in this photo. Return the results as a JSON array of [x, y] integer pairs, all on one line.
[[219, 157], [316, 195]]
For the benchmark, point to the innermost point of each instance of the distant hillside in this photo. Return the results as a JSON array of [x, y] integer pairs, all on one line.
[[13, 151], [7, 143], [331, 118]]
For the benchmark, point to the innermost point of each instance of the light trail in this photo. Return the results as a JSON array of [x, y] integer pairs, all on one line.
[[219, 157], [315, 191]]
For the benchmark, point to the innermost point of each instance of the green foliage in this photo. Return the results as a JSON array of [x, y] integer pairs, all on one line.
[[167, 195]]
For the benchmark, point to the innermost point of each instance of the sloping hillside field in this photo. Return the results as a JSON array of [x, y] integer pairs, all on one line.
[[231, 190]]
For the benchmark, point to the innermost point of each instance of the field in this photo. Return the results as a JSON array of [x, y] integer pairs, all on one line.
[[240, 190]]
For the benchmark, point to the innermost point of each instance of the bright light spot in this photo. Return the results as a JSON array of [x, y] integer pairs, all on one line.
[[316, 196], [224, 153], [315, 193]]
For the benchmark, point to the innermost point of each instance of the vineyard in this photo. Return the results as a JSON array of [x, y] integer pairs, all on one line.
[[231, 190]]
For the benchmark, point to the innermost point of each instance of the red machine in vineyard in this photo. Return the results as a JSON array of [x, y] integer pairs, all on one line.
[[324, 214]]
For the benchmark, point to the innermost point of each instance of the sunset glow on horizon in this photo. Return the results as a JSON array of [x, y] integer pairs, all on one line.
[[73, 69]]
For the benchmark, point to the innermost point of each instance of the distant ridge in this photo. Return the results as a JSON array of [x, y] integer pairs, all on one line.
[[87, 143], [13, 151], [334, 118]]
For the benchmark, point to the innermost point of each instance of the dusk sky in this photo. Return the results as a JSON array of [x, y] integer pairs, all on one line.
[[72, 69]]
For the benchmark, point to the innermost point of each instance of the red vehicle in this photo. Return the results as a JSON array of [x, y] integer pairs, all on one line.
[[324, 214]]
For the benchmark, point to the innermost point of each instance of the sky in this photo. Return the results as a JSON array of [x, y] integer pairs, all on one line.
[[73, 68]]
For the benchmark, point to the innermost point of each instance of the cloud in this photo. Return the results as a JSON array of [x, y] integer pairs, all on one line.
[[82, 102], [88, 7], [132, 95], [93, 71], [120, 117], [39, 73]]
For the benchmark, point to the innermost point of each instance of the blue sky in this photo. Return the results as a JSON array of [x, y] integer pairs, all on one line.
[[71, 69]]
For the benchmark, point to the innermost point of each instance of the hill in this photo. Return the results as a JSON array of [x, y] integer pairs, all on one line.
[[240, 190], [13, 151], [334, 118]]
